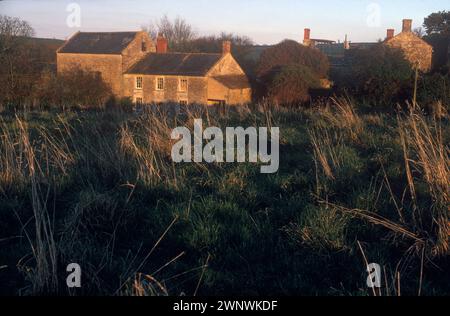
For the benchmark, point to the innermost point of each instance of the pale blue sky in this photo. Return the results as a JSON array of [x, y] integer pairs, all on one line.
[[265, 21]]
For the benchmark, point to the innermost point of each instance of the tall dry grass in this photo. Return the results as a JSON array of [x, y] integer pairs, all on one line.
[[342, 114], [25, 166], [427, 161]]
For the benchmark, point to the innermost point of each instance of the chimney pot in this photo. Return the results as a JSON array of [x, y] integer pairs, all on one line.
[[161, 45], [407, 25], [346, 43], [226, 47], [390, 33]]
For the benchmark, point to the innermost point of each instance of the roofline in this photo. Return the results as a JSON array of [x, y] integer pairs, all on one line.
[[415, 35], [112, 32], [135, 36], [58, 51], [67, 41], [178, 53], [322, 40], [163, 75]]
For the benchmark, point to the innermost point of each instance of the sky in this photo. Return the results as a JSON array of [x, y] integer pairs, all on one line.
[[265, 21]]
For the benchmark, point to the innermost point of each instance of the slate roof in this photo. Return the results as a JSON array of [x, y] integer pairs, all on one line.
[[233, 81], [98, 43], [176, 64]]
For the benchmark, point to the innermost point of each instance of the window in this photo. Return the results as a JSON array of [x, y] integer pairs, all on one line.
[[144, 46], [160, 83], [183, 85], [138, 82], [183, 102], [139, 101]]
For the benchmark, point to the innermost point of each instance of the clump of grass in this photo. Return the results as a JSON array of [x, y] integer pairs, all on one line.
[[321, 228], [326, 150], [427, 161], [342, 114], [12, 159], [145, 285]]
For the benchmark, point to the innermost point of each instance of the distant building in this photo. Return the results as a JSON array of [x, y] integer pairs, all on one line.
[[418, 52], [135, 67], [313, 42]]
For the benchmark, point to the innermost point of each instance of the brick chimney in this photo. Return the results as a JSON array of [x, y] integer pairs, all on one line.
[[307, 35], [226, 47], [407, 25], [390, 34], [161, 45]]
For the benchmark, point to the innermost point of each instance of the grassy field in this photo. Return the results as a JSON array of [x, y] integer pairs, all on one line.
[[99, 189]]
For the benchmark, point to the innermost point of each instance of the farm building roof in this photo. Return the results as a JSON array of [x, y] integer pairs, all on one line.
[[98, 43], [177, 64]]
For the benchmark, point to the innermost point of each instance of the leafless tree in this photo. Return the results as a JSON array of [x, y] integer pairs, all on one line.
[[12, 32], [419, 31], [15, 66], [178, 32]]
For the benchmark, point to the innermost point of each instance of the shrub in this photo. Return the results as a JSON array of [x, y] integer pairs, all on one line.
[[289, 70], [433, 88], [290, 52], [291, 84], [381, 74]]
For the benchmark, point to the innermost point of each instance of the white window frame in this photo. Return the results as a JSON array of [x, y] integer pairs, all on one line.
[[158, 88], [180, 84], [139, 83]]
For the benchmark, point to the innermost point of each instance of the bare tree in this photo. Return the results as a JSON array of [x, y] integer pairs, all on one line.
[[15, 66], [178, 32], [12, 32], [419, 31]]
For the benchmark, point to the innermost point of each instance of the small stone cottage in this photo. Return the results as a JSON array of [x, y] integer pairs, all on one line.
[[135, 67], [418, 52]]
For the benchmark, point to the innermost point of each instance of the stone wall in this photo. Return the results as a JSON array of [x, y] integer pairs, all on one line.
[[200, 90], [196, 92], [110, 67], [133, 53], [217, 91]]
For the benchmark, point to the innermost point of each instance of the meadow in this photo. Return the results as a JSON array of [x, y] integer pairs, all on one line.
[[99, 188]]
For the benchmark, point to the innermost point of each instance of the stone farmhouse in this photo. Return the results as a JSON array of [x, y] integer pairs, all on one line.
[[137, 68]]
